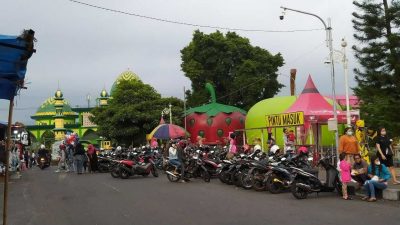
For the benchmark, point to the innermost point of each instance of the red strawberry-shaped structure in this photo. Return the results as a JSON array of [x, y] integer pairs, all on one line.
[[214, 121]]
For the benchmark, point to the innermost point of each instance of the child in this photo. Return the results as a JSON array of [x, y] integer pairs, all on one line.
[[345, 173]]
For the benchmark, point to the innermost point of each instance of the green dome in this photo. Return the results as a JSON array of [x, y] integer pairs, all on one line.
[[58, 94], [124, 76], [256, 117], [47, 109]]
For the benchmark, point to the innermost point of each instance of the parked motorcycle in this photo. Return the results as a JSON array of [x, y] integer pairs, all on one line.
[[305, 183], [194, 168], [143, 167]]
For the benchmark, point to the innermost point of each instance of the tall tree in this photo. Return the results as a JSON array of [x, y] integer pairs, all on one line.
[[242, 74], [134, 110], [377, 26]]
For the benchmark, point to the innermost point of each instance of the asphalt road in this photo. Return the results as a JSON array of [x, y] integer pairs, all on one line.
[[48, 198]]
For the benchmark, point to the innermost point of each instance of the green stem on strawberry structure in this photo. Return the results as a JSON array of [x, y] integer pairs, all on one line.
[[211, 90]]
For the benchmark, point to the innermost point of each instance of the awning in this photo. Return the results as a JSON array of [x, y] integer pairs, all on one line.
[[14, 54]]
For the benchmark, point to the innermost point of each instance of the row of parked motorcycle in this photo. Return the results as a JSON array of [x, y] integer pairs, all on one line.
[[274, 172], [279, 173]]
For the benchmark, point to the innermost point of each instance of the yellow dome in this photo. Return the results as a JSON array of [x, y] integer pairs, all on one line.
[[104, 94], [124, 76]]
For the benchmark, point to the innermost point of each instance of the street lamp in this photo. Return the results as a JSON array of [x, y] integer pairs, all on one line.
[[343, 59], [328, 30], [88, 98]]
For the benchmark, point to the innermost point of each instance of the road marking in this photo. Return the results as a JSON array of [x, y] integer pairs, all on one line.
[[112, 187]]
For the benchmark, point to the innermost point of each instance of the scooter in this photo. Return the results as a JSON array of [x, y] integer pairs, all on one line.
[[305, 183], [129, 168], [193, 169]]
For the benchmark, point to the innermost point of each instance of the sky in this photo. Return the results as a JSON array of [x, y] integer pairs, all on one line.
[[83, 49]]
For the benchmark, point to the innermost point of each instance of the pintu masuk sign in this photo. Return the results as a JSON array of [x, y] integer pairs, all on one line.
[[285, 119]]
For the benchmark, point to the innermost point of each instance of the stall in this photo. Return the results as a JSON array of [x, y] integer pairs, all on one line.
[[317, 112]]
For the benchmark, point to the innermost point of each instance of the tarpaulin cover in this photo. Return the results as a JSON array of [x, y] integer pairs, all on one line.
[[13, 59]]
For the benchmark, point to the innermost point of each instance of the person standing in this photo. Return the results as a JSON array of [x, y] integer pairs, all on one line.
[[345, 174], [91, 152], [79, 157], [26, 158], [182, 158], [348, 144], [232, 146], [62, 156], [70, 157], [385, 152]]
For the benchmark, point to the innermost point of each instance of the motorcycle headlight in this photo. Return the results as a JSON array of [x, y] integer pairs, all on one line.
[[42, 160]]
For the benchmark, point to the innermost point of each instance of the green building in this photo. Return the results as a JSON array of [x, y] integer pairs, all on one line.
[[55, 117]]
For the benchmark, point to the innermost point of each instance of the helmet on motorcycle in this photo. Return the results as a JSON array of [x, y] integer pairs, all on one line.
[[274, 149], [42, 146], [303, 150], [119, 148]]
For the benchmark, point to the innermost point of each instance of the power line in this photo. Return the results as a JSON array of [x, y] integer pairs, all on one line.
[[189, 24]]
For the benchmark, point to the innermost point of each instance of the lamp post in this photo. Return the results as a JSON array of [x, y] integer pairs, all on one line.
[[328, 30], [346, 80], [88, 98], [170, 113], [341, 56]]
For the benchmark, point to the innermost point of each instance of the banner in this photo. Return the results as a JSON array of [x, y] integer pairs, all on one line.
[[285, 119]]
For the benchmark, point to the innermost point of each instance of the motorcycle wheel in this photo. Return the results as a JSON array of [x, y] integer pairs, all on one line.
[[224, 177], [247, 181], [258, 184], [124, 174], [298, 192], [272, 186], [206, 176], [154, 172], [115, 172], [238, 179], [159, 166], [172, 178]]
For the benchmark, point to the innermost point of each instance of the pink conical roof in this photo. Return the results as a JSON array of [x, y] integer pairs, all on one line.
[[312, 103], [162, 121]]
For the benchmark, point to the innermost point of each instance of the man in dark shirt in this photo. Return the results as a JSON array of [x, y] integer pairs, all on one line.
[[359, 170]]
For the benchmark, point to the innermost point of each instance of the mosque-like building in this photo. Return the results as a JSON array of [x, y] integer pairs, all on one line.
[[55, 117]]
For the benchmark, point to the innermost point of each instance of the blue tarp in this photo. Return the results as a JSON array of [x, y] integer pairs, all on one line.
[[14, 54]]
